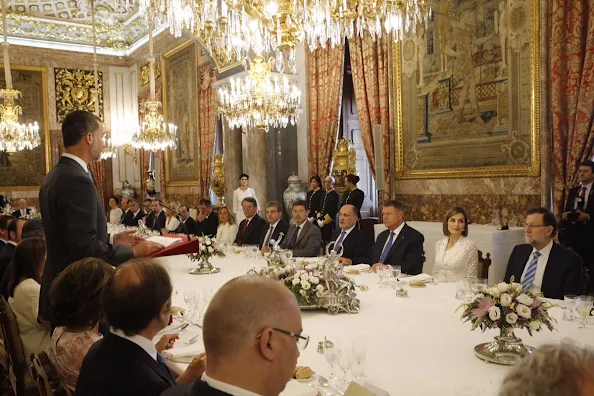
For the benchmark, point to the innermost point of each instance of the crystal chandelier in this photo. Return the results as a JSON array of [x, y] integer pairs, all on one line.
[[14, 136], [153, 133], [260, 100], [178, 14]]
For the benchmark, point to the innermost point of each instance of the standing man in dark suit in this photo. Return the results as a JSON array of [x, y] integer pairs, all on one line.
[[326, 218], [137, 304], [73, 216], [356, 250], [252, 343], [133, 215], [187, 221], [276, 225], [399, 244], [303, 238], [250, 229], [156, 219], [541, 265], [577, 226], [4, 223], [207, 221], [22, 211]]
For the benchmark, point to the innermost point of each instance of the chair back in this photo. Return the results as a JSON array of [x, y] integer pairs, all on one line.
[[483, 265], [48, 381], [367, 229]]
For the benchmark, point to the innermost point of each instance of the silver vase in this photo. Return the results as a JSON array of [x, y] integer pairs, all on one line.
[[293, 193], [506, 349], [204, 267]]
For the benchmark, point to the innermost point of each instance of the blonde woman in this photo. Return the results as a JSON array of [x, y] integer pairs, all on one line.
[[227, 230], [171, 220]]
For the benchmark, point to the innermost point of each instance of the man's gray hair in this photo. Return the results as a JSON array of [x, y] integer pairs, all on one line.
[[552, 370]]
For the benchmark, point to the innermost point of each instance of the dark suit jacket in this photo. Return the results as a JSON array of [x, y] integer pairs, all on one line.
[[253, 232], [280, 227], [2, 245], [156, 223], [132, 221], [307, 244], [198, 388], [191, 225], [6, 258], [579, 235], [355, 197], [314, 201], [563, 273], [355, 247], [17, 213], [208, 226], [115, 366], [406, 251], [329, 207], [74, 223]]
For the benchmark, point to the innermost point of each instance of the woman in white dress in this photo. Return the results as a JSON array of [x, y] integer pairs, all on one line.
[[227, 230], [171, 221], [243, 191], [115, 213], [456, 256]]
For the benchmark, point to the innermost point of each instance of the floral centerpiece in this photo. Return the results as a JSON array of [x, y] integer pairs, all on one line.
[[506, 307], [207, 248]]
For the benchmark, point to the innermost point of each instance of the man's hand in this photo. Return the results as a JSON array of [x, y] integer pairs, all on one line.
[[127, 238], [377, 266], [321, 223], [194, 370], [166, 342], [146, 248], [345, 261], [265, 249], [584, 217]]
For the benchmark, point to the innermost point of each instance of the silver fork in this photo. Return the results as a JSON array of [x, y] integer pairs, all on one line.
[[190, 341]]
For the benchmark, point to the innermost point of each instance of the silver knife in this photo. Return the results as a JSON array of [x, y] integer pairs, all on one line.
[[175, 329]]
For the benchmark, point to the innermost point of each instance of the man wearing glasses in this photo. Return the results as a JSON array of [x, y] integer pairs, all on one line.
[[541, 265], [252, 343]]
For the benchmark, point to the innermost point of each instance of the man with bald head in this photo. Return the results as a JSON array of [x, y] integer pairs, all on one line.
[[252, 343], [22, 211], [355, 248], [137, 304]]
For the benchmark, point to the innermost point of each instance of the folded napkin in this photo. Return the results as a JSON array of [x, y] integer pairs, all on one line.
[[421, 277], [295, 388], [360, 267], [184, 354]]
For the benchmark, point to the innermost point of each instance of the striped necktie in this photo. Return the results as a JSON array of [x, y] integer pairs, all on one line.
[[530, 272], [340, 240], [387, 248]]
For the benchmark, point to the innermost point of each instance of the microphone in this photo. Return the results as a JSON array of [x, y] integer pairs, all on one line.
[[177, 216]]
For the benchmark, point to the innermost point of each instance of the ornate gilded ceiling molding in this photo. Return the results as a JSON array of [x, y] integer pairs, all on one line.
[[74, 91]]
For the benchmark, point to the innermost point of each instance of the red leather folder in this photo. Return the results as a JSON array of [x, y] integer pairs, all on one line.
[[183, 247]]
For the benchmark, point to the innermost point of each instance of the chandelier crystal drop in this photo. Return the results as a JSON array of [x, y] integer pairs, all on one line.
[[260, 100], [178, 14]]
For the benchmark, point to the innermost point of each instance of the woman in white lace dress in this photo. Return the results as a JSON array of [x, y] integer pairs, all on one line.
[[115, 213], [456, 256], [243, 191]]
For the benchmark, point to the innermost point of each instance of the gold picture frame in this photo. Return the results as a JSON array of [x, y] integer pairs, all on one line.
[[180, 74], [28, 160], [449, 147]]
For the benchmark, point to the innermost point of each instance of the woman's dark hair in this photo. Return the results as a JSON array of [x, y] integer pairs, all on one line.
[[77, 292], [353, 179], [116, 199], [244, 175], [317, 179], [28, 259], [454, 212]]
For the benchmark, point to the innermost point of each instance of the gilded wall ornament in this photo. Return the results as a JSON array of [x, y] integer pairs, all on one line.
[[144, 72], [75, 91]]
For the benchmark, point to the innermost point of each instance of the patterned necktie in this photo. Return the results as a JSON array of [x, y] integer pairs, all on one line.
[[339, 240], [245, 226], [530, 272], [582, 203], [387, 248], [294, 239], [268, 236]]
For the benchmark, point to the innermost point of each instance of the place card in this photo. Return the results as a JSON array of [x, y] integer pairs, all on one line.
[[355, 389]]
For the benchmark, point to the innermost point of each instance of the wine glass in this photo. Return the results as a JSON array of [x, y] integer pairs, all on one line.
[[584, 306], [330, 353], [189, 300], [396, 271], [570, 303], [345, 361]]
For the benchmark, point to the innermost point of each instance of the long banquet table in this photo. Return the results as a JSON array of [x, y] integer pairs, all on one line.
[[415, 345]]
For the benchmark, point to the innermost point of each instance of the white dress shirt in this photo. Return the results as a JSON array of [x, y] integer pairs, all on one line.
[[541, 266], [271, 229], [82, 163], [396, 233], [13, 243], [299, 229], [227, 388], [139, 340]]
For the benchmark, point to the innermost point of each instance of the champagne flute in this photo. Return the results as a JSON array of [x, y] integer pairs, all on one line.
[[359, 355], [330, 353], [584, 307], [345, 361]]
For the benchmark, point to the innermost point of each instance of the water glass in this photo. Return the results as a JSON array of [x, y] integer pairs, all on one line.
[[396, 271], [481, 284], [255, 250], [584, 307], [570, 303]]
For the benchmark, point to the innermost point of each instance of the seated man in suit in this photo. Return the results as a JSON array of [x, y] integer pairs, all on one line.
[[187, 220], [4, 223], [133, 214], [15, 230], [207, 221], [147, 205], [22, 211], [303, 237], [276, 225], [251, 227], [137, 304], [356, 250], [541, 265], [252, 342], [125, 205], [399, 244], [156, 220]]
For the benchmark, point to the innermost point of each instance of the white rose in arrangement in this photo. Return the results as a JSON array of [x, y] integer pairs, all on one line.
[[310, 267], [208, 242], [296, 281], [517, 287], [314, 280], [210, 249], [494, 291], [503, 287], [320, 288], [304, 276], [203, 248], [534, 325], [525, 299], [494, 313], [305, 285], [302, 292], [524, 311], [319, 293], [505, 300], [511, 318]]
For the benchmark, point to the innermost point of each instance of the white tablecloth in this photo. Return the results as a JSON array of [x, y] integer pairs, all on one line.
[[415, 346]]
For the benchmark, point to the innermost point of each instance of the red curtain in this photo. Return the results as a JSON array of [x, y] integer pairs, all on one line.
[[207, 114], [571, 43], [369, 64], [324, 94]]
